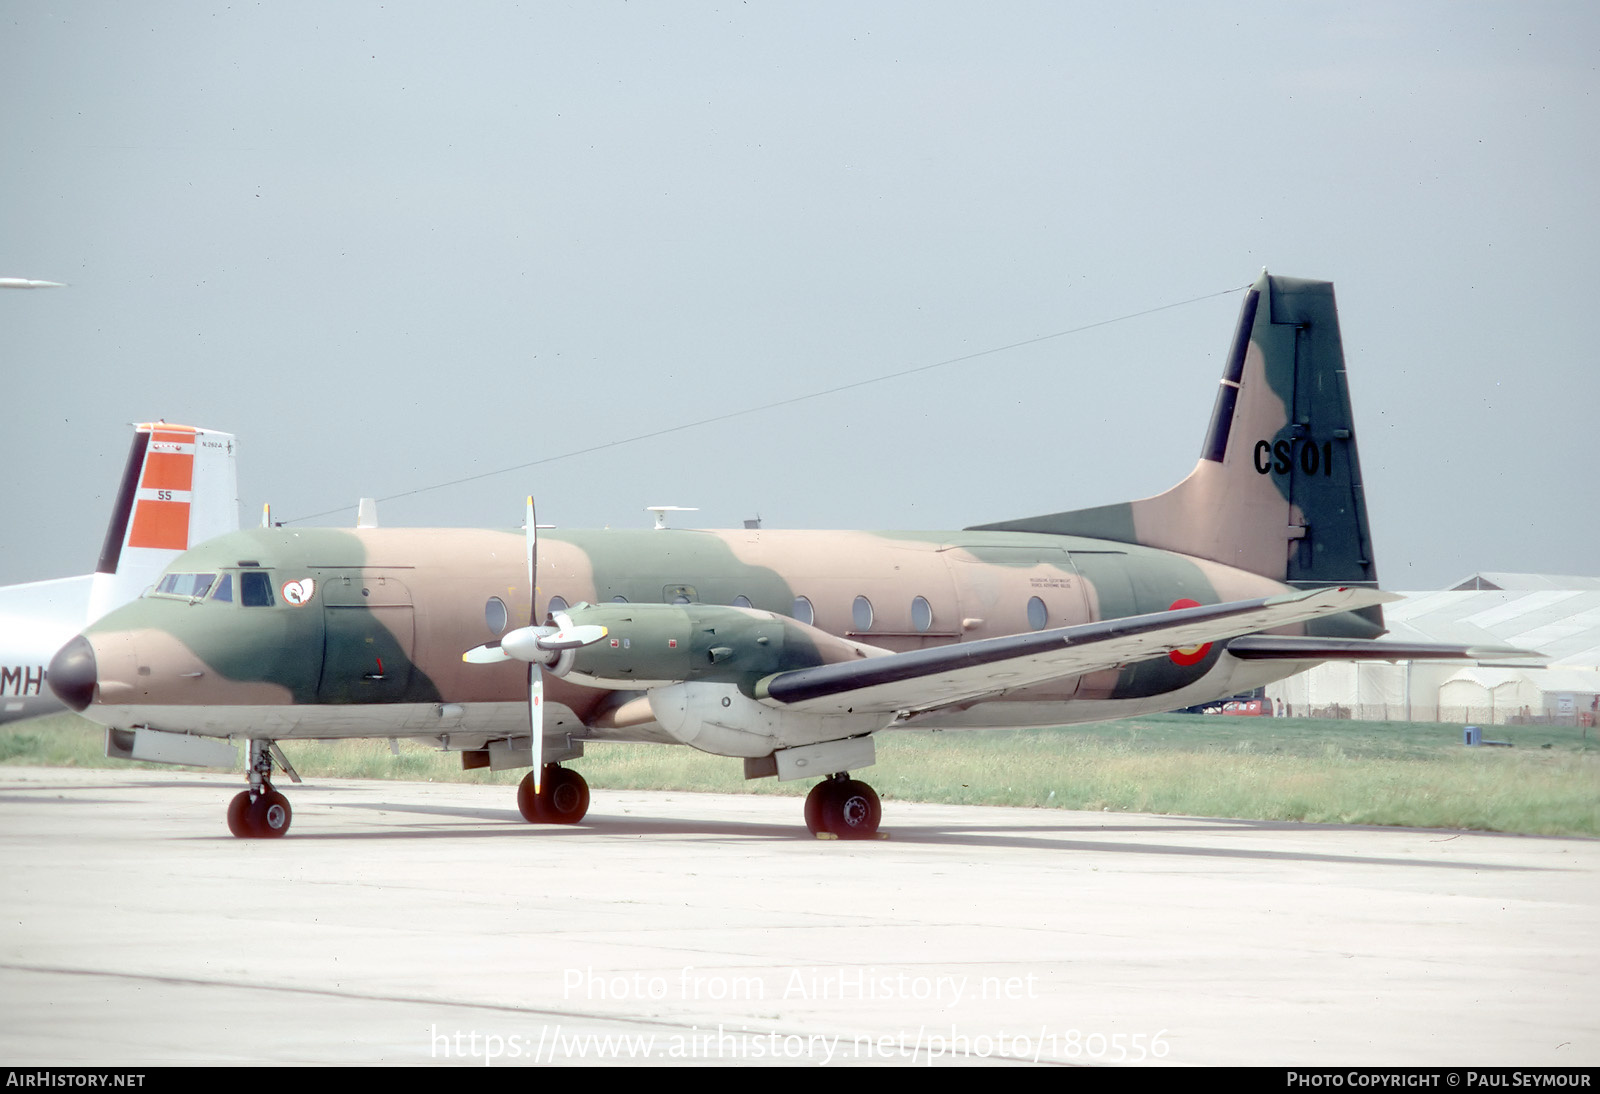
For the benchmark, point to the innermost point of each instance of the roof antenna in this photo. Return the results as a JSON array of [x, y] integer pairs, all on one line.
[[661, 512]]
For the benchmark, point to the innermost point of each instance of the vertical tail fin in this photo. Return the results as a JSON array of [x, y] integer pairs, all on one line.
[[179, 488], [1278, 488]]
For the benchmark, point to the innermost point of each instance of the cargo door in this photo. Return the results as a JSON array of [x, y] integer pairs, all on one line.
[[370, 632]]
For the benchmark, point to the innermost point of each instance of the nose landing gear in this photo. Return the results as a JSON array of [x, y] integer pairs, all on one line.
[[261, 812]]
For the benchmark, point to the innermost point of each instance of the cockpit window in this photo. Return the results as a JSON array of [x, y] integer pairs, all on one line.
[[190, 586], [255, 589], [224, 591]]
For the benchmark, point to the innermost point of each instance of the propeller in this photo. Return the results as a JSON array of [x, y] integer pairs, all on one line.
[[535, 671], [539, 646]]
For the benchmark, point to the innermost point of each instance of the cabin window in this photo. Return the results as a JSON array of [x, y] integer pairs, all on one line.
[[921, 614], [255, 589], [224, 590], [802, 611], [495, 615], [861, 613], [193, 586], [1038, 614]]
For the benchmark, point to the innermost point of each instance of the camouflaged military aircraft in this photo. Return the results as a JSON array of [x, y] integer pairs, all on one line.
[[786, 649]]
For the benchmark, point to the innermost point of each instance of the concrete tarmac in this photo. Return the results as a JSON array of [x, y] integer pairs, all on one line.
[[407, 923]]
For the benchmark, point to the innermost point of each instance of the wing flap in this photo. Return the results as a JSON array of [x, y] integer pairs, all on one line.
[[932, 678]]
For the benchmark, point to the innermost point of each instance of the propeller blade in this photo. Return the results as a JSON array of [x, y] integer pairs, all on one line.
[[490, 653], [533, 566], [536, 722], [535, 672], [572, 638]]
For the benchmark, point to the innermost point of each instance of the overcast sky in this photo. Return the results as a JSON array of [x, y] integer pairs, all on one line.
[[391, 246]]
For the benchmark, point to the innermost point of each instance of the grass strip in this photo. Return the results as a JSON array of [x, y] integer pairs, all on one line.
[[1413, 774]]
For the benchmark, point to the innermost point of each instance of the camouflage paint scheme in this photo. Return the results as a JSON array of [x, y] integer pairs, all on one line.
[[1275, 504], [427, 589]]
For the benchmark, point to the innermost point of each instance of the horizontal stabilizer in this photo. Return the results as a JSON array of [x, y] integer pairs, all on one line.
[[1276, 647]]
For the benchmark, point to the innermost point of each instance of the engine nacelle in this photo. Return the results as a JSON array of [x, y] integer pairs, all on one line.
[[719, 718], [652, 645]]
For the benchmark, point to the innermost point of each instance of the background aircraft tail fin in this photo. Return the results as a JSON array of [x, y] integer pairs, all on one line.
[[179, 488], [1278, 487]]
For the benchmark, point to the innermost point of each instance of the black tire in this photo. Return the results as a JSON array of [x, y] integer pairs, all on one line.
[[851, 810], [239, 816], [270, 815], [566, 796], [814, 800]]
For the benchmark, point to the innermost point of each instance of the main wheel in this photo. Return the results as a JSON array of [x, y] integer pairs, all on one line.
[[563, 799], [851, 809], [814, 802], [239, 815], [566, 797], [270, 814]]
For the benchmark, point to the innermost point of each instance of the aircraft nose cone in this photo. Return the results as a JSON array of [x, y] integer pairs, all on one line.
[[72, 673]]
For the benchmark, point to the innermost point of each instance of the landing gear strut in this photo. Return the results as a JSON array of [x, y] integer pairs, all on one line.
[[260, 812], [563, 799], [843, 807]]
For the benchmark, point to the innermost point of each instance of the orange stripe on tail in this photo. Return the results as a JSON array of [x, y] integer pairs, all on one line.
[[161, 524], [168, 471]]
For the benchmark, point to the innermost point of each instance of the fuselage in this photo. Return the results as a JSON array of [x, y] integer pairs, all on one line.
[[333, 633]]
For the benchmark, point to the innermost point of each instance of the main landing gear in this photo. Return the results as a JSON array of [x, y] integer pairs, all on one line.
[[844, 808], [260, 812], [562, 799]]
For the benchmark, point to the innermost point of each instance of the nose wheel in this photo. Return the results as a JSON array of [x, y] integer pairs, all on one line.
[[844, 808], [562, 799], [261, 812], [263, 816]]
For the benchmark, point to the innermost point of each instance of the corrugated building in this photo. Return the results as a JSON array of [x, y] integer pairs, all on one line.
[[1559, 616]]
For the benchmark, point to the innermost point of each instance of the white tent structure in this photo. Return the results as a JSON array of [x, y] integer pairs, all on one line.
[[1557, 616]]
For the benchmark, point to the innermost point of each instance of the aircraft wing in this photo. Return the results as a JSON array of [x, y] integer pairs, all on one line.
[[932, 678]]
